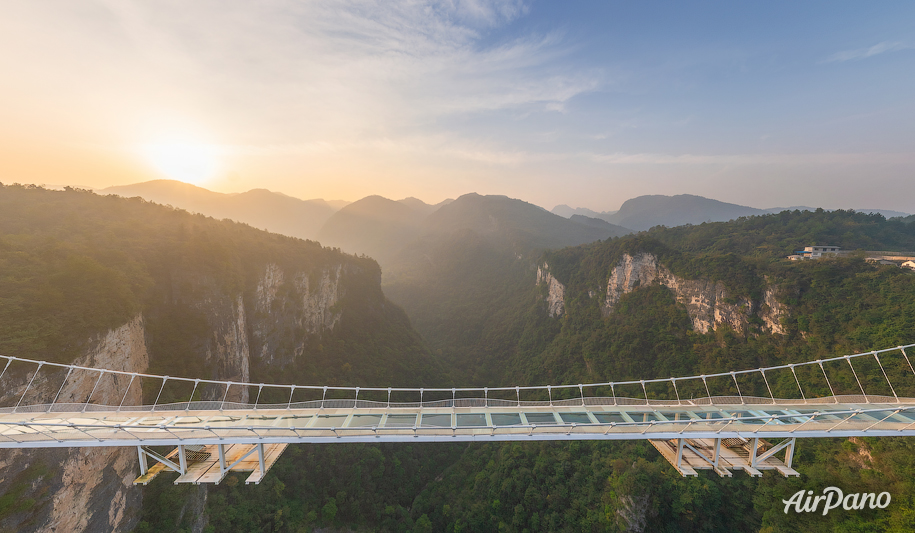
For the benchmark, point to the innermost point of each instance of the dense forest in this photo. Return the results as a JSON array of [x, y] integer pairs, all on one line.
[[73, 264]]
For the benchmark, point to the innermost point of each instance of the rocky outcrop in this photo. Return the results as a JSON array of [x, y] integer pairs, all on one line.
[[319, 298], [227, 352], [772, 311], [91, 489], [555, 299], [267, 288], [707, 302], [98, 492], [634, 512], [290, 306]]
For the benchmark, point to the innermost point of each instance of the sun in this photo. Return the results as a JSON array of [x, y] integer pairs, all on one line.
[[192, 163]]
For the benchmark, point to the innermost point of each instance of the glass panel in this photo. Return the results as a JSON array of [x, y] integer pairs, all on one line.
[[747, 414], [810, 418], [607, 418], [365, 421], [643, 416], [575, 418], [400, 421], [506, 419], [880, 415], [471, 420], [329, 421], [907, 415], [438, 420], [782, 420], [711, 415], [540, 418]]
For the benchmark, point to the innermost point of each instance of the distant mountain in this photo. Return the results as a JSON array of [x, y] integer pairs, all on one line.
[[338, 204], [374, 226], [508, 218], [260, 208], [383, 228], [566, 211], [593, 222], [887, 213], [644, 212], [418, 205]]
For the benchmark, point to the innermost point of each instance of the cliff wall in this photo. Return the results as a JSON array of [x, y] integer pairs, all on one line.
[[80, 489], [707, 302], [555, 299], [91, 489], [289, 307]]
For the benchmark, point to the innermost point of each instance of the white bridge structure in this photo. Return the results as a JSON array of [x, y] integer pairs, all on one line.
[[737, 420]]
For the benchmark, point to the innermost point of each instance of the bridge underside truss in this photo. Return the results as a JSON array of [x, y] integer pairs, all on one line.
[[726, 455]]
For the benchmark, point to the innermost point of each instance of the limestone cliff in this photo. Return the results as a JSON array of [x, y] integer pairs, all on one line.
[[227, 354], [555, 299], [89, 489], [707, 302], [289, 306], [772, 311]]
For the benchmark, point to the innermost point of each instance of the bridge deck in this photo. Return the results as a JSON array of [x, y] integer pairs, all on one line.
[[99, 427]]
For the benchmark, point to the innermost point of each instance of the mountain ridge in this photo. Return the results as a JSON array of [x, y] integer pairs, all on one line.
[[274, 211], [644, 212]]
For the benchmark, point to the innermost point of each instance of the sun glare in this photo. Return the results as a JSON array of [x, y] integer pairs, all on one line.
[[187, 162]]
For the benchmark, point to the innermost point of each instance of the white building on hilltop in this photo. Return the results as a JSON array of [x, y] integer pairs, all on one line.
[[815, 252]]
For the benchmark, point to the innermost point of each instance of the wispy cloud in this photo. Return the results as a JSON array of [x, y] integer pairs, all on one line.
[[864, 53], [353, 67], [280, 71]]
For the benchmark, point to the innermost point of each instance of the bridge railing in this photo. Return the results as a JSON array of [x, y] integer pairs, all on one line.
[[869, 377]]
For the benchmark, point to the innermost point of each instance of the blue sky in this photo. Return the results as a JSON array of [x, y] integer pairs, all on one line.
[[582, 103]]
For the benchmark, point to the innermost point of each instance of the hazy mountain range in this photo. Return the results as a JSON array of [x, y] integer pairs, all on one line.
[[644, 212], [379, 227], [260, 208]]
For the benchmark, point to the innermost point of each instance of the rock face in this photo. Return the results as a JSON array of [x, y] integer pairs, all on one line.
[[319, 298], [91, 488], [772, 311], [288, 307], [707, 302], [555, 300], [227, 354]]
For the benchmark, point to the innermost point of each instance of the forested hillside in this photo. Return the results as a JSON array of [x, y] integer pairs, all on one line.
[[832, 307], [204, 298], [212, 295]]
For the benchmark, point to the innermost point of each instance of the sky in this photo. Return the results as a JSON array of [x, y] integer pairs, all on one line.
[[581, 103]]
